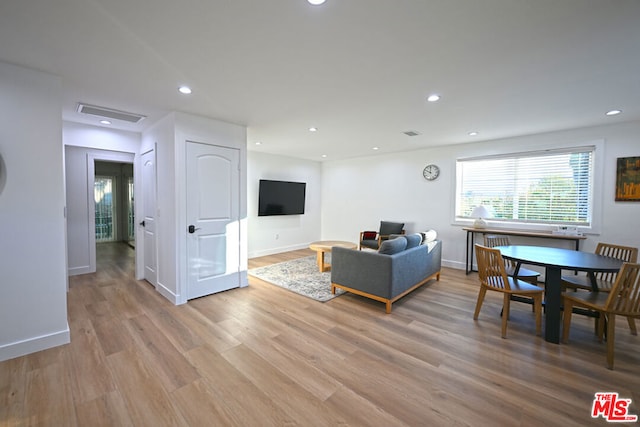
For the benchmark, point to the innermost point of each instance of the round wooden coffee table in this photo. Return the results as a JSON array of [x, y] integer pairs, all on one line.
[[324, 246]]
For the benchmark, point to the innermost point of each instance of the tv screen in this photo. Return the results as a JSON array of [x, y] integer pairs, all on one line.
[[281, 198]]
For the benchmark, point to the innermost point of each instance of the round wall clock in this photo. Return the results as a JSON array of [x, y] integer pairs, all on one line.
[[431, 172]]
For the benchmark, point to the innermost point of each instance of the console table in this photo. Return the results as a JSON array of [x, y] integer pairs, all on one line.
[[471, 232]]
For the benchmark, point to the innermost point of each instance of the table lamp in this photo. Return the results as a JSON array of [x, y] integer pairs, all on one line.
[[480, 212]]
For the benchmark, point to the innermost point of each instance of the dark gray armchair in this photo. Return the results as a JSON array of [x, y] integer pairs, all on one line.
[[373, 239]]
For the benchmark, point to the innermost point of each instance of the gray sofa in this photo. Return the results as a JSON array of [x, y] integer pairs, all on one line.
[[385, 277]]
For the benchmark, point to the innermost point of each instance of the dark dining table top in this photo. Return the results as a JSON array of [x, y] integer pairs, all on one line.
[[560, 258]]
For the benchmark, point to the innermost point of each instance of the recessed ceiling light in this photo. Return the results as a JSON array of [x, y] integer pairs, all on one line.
[[375, 148], [613, 112], [258, 143], [184, 89], [433, 98], [324, 156], [474, 133], [105, 122], [313, 129], [316, 2]]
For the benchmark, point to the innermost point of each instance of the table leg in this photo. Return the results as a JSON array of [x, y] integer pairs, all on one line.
[[320, 260], [553, 303], [593, 281], [470, 249]]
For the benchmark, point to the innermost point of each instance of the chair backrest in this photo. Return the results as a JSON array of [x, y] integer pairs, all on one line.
[[491, 268], [625, 294], [387, 228], [623, 253], [491, 240]]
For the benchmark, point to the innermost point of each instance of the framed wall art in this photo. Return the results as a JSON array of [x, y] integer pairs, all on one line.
[[628, 179]]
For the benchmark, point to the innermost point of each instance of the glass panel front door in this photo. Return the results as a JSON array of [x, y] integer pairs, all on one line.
[[104, 194]]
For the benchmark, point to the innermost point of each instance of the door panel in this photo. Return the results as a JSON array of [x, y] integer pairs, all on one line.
[[148, 217], [213, 209], [211, 248]]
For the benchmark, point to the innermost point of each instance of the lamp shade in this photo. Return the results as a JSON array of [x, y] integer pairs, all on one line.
[[480, 213]]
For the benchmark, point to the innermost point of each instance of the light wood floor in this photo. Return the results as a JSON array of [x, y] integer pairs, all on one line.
[[262, 356]]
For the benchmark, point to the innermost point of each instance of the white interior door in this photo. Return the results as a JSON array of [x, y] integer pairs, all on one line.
[[148, 222], [213, 217]]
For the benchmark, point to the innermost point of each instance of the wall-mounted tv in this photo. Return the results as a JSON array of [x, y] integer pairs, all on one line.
[[281, 198]]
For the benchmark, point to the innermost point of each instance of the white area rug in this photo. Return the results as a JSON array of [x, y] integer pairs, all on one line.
[[300, 276]]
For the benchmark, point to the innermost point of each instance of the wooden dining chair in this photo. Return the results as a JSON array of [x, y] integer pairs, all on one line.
[[604, 281], [527, 275], [493, 277], [622, 300]]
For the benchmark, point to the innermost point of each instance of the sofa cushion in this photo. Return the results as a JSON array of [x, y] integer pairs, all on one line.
[[393, 246], [413, 240]]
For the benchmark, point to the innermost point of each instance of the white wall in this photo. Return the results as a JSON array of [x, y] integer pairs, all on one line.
[[102, 138], [33, 282], [358, 193], [273, 234]]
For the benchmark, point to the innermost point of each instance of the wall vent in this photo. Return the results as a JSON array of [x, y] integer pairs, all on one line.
[[411, 133], [109, 113]]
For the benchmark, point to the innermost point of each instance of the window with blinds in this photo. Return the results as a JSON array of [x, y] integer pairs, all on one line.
[[548, 187]]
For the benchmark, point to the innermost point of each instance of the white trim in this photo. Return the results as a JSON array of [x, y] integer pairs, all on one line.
[[32, 345], [166, 292], [75, 271]]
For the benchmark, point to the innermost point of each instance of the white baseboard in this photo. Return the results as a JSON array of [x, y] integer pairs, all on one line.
[[244, 279], [75, 271], [264, 252], [165, 292], [457, 265], [32, 345]]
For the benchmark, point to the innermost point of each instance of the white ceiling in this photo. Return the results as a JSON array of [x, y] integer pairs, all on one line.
[[359, 70]]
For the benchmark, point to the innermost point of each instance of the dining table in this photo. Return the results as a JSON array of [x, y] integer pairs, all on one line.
[[554, 260]]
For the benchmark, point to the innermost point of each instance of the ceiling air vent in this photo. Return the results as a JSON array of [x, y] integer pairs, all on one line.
[[109, 113], [411, 133]]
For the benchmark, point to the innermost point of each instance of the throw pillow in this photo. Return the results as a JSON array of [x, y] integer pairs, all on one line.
[[429, 236], [413, 240], [393, 246], [369, 235]]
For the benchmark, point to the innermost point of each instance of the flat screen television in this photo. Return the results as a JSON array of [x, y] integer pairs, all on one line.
[[281, 198]]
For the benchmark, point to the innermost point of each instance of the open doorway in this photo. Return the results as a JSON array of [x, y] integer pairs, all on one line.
[[114, 202], [97, 210]]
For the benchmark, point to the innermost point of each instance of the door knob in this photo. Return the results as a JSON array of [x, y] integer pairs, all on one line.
[[142, 223], [192, 229]]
